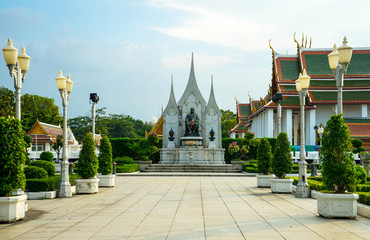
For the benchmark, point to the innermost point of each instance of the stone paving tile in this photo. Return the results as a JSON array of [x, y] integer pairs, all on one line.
[[186, 207]]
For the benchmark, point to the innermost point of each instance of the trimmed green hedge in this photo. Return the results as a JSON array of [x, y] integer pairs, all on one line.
[[47, 184], [43, 185], [124, 160], [48, 166], [35, 172], [134, 167], [364, 197]]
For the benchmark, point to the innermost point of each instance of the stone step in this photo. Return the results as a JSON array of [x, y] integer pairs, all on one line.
[[224, 168]]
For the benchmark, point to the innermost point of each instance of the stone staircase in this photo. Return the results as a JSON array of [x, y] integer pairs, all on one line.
[[219, 168]]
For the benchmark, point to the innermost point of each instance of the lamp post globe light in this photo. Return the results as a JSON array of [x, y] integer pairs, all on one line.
[[65, 86], [94, 99], [302, 84], [338, 62], [277, 98], [18, 67], [320, 131]]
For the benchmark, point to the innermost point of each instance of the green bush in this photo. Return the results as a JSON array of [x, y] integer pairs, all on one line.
[[264, 156], [361, 174], [43, 185], [48, 166], [47, 156], [357, 144], [12, 157], [105, 157], [282, 159], [319, 179], [33, 172], [87, 166], [364, 197], [253, 161], [134, 167], [362, 188], [338, 171], [250, 170], [123, 160], [236, 160], [316, 185]]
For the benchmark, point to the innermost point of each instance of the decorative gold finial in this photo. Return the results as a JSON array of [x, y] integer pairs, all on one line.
[[273, 51], [295, 40], [305, 44], [310, 41]]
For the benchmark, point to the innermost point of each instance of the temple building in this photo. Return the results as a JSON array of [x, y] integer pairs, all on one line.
[[260, 116]]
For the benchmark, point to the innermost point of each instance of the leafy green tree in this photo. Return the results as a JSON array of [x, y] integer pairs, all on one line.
[[105, 156], [338, 169], [87, 166], [58, 145], [47, 156], [7, 102], [282, 163], [36, 107], [264, 156], [12, 157], [228, 122]]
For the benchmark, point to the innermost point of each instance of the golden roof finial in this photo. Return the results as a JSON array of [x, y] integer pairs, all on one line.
[[305, 45], [273, 51], [295, 40], [310, 41], [236, 100], [302, 39]]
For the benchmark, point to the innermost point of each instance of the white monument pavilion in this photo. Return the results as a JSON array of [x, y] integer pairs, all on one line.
[[192, 127]]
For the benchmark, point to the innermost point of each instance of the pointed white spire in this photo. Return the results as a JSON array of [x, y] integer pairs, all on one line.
[[172, 101], [212, 100], [192, 86]]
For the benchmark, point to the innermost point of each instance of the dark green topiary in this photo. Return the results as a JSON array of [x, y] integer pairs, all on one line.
[[12, 157], [33, 172], [47, 156], [105, 156], [282, 163], [338, 169], [264, 156], [48, 166], [361, 174], [87, 166], [357, 144]]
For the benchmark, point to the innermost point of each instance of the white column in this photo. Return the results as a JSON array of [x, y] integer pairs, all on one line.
[[295, 128], [260, 125], [269, 123], [243, 134], [275, 126], [310, 124], [283, 121], [232, 135], [289, 125], [364, 111]]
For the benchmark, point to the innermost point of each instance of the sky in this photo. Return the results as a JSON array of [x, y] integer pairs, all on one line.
[[127, 50]]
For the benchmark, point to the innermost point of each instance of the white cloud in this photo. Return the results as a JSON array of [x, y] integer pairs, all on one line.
[[216, 28]]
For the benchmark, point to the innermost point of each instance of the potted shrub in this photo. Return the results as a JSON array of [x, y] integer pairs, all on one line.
[[12, 159], [87, 167], [338, 172], [264, 163], [107, 179], [282, 164]]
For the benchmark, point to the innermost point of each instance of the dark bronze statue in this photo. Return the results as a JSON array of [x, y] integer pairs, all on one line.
[[192, 124]]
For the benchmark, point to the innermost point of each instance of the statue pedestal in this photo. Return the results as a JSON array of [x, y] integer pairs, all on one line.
[[191, 141], [192, 156]]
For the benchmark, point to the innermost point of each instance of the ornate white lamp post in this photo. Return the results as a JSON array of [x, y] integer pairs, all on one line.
[[302, 84], [277, 98], [320, 131], [94, 99], [18, 67], [65, 88], [338, 62]]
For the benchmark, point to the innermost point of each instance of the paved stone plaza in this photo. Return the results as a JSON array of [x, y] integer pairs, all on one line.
[[183, 207]]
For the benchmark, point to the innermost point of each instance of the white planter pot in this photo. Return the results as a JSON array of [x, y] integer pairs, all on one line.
[[41, 195], [12, 208], [106, 180], [264, 180], [331, 205], [281, 185], [87, 185]]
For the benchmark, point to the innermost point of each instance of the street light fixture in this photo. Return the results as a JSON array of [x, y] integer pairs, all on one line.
[[320, 131], [65, 86], [302, 84], [338, 62], [94, 99], [18, 67]]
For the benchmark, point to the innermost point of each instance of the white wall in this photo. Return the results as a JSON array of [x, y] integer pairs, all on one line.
[[352, 110], [323, 113]]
